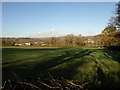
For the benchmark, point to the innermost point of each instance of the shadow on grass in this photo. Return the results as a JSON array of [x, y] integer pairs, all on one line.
[[18, 50], [114, 55], [10, 53], [113, 77], [41, 69]]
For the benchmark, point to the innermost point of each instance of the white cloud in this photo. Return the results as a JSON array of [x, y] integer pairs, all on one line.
[[53, 29], [51, 33]]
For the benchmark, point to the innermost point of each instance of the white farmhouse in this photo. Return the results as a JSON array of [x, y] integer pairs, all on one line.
[[27, 44]]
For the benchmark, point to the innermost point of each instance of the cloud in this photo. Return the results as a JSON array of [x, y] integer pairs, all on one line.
[[53, 29], [51, 33]]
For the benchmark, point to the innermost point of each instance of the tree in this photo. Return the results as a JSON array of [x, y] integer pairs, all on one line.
[[118, 15], [115, 20], [108, 36], [109, 31], [78, 41], [69, 40], [53, 42]]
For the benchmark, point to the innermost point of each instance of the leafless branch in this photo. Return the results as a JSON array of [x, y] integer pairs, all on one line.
[[48, 85], [33, 86]]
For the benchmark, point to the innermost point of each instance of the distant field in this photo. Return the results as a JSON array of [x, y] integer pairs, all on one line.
[[30, 63]]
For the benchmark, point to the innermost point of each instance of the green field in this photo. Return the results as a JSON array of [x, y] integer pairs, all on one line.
[[69, 63]]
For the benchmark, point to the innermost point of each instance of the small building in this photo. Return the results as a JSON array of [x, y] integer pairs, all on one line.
[[18, 44], [43, 44], [89, 41], [36, 42], [29, 44]]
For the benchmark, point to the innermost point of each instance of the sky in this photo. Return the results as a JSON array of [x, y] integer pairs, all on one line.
[[60, 0], [42, 19]]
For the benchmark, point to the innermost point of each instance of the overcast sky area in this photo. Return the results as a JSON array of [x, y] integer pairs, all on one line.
[[23, 19]]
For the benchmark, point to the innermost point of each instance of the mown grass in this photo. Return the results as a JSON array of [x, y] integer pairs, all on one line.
[[69, 63]]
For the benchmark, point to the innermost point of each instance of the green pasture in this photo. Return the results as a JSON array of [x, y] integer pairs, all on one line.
[[69, 63]]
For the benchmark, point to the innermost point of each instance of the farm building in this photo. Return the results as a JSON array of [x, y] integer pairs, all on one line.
[[43, 44], [18, 44], [29, 44]]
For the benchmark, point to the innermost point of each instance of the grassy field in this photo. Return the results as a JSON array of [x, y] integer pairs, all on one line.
[[69, 63]]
